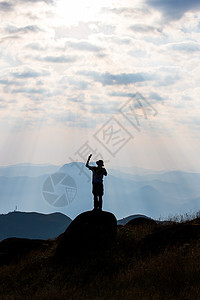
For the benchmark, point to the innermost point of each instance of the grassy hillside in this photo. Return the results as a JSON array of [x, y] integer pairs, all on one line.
[[143, 262]]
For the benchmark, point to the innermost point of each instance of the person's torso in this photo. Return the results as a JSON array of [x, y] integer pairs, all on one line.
[[98, 175]]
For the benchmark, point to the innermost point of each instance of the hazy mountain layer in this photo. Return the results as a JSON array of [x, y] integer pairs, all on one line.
[[69, 191]]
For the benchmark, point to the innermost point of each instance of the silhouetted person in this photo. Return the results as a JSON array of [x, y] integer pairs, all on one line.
[[97, 181]]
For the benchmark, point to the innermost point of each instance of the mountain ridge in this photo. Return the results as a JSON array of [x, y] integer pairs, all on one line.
[[32, 225]]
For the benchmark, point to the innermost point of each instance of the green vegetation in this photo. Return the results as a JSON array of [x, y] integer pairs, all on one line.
[[125, 270]]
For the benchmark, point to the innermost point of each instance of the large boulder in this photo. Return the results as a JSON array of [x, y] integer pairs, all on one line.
[[89, 231]]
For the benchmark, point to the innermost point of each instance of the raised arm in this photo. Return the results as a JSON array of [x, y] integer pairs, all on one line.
[[87, 163]]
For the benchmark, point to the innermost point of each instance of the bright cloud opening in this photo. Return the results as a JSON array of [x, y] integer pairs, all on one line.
[[71, 12]]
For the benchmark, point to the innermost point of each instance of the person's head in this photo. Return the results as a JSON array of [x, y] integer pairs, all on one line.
[[100, 163]]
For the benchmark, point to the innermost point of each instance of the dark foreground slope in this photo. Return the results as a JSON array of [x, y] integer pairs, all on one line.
[[143, 261]]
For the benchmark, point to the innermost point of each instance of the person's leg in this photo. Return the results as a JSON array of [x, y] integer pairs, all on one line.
[[100, 202], [95, 202], [100, 195], [94, 191]]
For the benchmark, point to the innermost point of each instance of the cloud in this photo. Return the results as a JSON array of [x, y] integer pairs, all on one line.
[[155, 96], [59, 59], [10, 38], [75, 100], [36, 46], [27, 29], [122, 94], [6, 6], [127, 11], [9, 6], [174, 9], [3, 104], [186, 47], [33, 1], [30, 1], [142, 28], [78, 84], [69, 118], [84, 46], [28, 108], [117, 79], [4, 81], [29, 74], [83, 30], [168, 80], [104, 108], [78, 31], [7, 82], [29, 91]]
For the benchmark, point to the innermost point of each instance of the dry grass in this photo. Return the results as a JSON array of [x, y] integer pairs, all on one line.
[[120, 272]]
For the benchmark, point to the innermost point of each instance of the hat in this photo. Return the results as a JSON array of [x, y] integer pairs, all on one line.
[[100, 162]]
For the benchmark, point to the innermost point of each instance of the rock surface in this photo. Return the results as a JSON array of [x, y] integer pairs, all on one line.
[[88, 231]]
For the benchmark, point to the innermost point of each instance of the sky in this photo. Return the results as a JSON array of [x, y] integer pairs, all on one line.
[[118, 79]]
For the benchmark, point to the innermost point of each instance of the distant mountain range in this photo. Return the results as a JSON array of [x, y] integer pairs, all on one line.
[[27, 169], [32, 225], [155, 194]]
